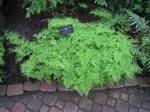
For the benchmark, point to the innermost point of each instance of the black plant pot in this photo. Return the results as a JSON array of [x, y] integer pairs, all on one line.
[[66, 30]]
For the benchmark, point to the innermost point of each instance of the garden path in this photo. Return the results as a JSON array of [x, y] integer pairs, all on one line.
[[122, 100]]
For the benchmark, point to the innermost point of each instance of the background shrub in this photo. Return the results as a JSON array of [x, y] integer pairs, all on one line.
[[93, 54], [2, 50]]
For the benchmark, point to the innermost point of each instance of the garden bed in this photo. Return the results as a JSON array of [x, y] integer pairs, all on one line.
[[107, 31]]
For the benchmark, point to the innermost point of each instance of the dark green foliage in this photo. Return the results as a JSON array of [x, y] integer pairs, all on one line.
[[106, 17], [142, 47], [1, 59], [94, 54]]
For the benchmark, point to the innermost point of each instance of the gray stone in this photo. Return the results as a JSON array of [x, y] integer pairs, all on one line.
[[44, 108], [133, 109], [124, 96], [111, 102], [135, 100], [146, 105], [86, 104], [100, 98], [54, 109], [45, 87], [108, 109], [122, 106], [19, 107], [32, 86], [50, 99], [3, 109], [70, 107], [60, 104], [3, 90], [15, 89], [143, 110], [131, 82], [34, 104], [96, 108]]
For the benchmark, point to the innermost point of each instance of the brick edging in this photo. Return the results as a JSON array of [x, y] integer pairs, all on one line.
[[18, 89]]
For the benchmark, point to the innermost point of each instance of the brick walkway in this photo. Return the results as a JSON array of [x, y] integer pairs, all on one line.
[[123, 100]]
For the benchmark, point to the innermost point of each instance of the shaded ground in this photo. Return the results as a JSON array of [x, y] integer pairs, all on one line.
[[17, 22], [123, 100]]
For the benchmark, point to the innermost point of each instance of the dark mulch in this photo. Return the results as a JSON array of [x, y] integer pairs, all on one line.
[[27, 27]]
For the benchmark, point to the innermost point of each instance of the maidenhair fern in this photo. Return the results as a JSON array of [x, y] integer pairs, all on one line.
[[92, 55]]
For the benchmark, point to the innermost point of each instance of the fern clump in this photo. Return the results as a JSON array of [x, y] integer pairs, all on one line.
[[92, 55]]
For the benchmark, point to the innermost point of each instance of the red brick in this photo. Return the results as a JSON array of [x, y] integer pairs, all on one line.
[[19, 107], [32, 86], [3, 90], [15, 89], [45, 87]]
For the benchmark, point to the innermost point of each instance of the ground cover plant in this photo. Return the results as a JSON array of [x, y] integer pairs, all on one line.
[[94, 54]]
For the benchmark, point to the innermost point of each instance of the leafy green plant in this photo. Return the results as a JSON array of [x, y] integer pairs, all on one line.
[[93, 54], [108, 18], [142, 47]]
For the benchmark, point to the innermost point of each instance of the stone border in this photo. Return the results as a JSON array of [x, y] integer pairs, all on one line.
[[18, 89]]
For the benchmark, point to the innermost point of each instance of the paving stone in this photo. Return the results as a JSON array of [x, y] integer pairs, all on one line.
[[146, 105], [40, 95], [3, 90], [124, 96], [122, 106], [66, 96], [80, 110], [32, 86], [45, 87], [143, 110], [34, 104], [60, 104], [15, 89], [19, 107], [135, 100], [76, 98], [117, 85], [111, 102], [3, 109], [54, 109], [3, 101], [50, 99], [86, 104], [44, 108], [144, 81], [96, 108], [131, 82], [28, 110], [100, 98], [70, 107], [9, 104], [133, 109], [25, 99], [108, 109], [114, 94]]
